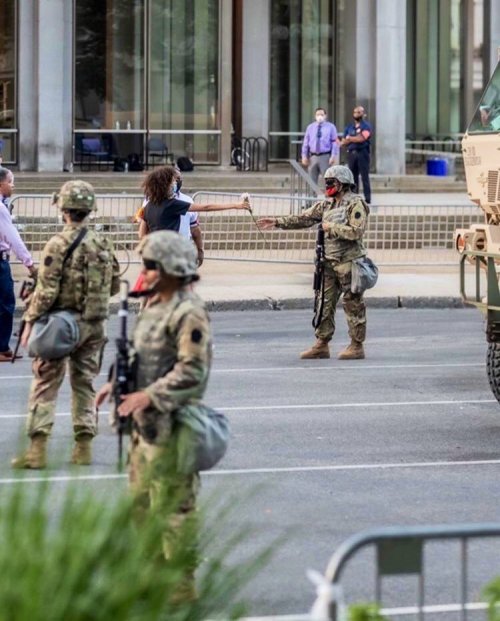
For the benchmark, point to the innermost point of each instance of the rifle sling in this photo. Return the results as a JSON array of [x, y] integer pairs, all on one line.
[[74, 245]]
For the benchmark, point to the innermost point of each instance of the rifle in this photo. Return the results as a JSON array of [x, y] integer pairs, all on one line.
[[319, 278], [26, 290], [124, 375]]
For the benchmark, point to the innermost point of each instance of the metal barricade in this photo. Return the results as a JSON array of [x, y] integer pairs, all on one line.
[[37, 219], [301, 183], [397, 235], [390, 557]]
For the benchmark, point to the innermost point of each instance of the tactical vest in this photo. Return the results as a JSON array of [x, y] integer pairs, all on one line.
[[339, 250], [87, 277], [155, 339]]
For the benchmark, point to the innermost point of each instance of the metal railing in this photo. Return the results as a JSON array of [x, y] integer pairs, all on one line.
[[396, 234], [401, 552], [37, 219], [301, 183]]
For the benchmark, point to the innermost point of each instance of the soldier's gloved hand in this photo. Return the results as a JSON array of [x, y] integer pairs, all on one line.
[[33, 272]]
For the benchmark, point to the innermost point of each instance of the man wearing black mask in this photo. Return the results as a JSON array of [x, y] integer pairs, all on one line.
[[357, 138]]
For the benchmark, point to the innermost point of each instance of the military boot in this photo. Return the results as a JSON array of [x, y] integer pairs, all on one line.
[[320, 349], [35, 458], [82, 450], [354, 351]]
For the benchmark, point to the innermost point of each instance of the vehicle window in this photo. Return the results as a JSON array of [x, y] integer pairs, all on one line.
[[487, 116]]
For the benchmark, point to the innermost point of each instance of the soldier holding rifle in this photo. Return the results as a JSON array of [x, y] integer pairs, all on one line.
[[343, 217], [172, 347]]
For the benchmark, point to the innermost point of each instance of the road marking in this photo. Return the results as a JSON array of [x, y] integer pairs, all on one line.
[[313, 406], [357, 367], [354, 367], [249, 471], [337, 406]]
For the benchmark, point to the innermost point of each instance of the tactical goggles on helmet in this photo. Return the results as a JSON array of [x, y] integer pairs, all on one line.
[[149, 264]]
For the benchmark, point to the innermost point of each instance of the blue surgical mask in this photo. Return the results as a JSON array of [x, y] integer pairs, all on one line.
[[175, 188]]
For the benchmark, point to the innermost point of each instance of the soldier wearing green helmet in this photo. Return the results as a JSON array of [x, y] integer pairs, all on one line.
[[173, 344], [343, 216], [78, 273]]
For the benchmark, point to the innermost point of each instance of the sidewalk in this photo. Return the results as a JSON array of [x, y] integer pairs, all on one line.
[[239, 285], [244, 285]]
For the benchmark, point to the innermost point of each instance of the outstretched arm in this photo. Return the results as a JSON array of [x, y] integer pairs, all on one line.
[[307, 218], [218, 207]]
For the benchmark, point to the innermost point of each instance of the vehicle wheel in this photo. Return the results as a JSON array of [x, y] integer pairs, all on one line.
[[493, 368]]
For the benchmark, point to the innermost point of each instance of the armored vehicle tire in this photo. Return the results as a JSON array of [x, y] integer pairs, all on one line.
[[493, 368]]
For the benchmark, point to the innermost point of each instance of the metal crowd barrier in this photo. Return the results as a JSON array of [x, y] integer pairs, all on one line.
[[397, 235], [301, 183], [400, 558], [37, 219]]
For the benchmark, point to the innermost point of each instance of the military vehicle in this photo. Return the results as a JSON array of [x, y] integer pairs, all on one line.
[[479, 245]]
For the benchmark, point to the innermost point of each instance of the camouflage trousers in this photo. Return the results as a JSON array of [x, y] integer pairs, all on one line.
[[157, 486], [338, 282], [84, 366]]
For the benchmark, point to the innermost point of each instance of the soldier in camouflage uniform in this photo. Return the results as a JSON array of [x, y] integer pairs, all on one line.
[[172, 343], [343, 216], [83, 284]]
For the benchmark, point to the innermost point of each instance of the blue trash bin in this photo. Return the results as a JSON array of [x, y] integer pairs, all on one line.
[[437, 166]]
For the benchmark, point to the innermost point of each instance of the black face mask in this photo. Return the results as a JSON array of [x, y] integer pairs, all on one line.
[[357, 118]]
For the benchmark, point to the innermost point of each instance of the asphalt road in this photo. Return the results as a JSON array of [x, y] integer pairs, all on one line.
[[324, 449]]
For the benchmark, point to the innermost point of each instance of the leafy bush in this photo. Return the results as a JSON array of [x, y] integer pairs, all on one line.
[[365, 612], [86, 560], [491, 593]]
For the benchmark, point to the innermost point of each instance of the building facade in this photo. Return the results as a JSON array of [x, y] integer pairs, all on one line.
[[183, 77]]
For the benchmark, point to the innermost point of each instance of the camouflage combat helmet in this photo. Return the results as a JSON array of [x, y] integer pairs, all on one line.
[[341, 173], [78, 195], [174, 253]]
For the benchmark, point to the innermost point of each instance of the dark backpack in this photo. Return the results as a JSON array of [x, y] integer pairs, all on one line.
[[119, 164], [185, 164], [134, 163]]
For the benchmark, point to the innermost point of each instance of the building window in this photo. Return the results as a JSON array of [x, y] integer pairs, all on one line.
[[445, 65], [109, 64], [302, 43], [147, 75], [8, 63], [184, 76]]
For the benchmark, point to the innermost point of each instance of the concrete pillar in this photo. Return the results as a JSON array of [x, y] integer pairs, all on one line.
[[365, 55], [226, 28], [494, 34], [390, 87], [26, 87], [256, 83], [45, 84]]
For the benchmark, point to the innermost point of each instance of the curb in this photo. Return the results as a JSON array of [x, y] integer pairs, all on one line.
[[266, 304]]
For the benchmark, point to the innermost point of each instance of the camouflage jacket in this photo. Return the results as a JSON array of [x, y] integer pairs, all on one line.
[[346, 219], [173, 344], [83, 284]]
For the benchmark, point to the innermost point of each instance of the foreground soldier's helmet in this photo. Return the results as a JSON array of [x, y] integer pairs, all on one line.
[[77, 195], [175, 254], [341, 173]]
